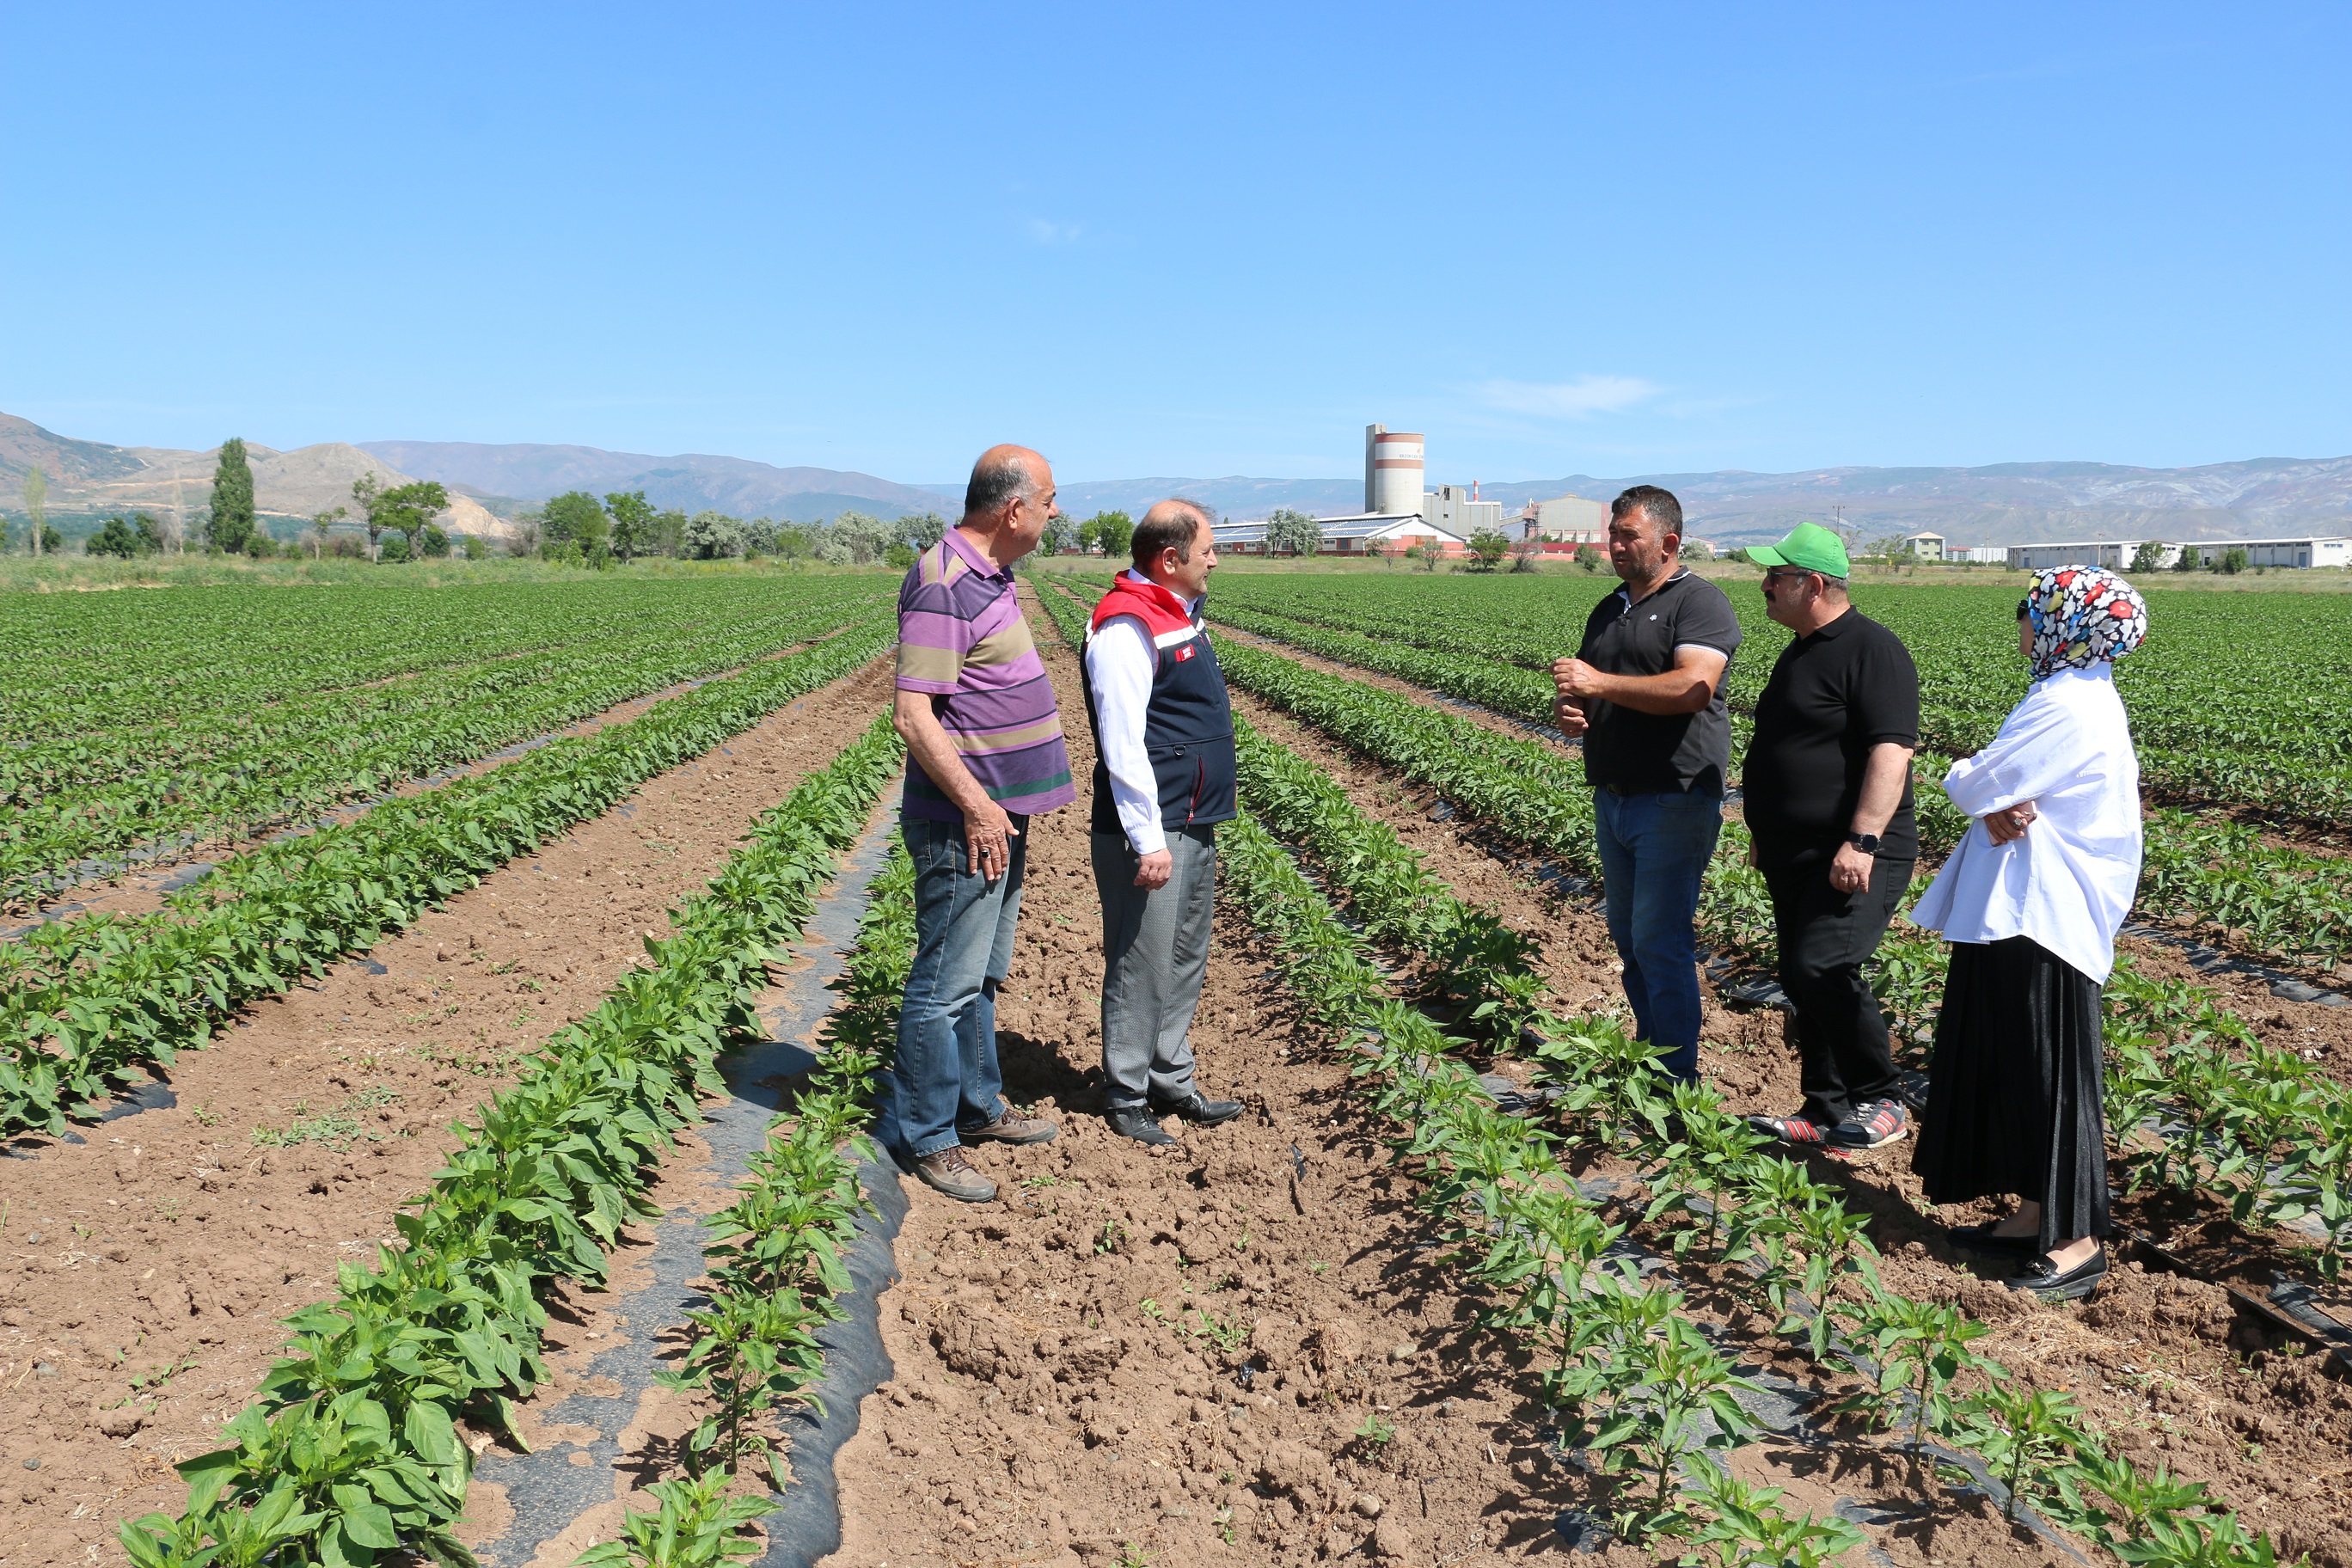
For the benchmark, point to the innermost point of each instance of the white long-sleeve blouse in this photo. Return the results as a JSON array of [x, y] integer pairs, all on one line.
[[2068, 882]]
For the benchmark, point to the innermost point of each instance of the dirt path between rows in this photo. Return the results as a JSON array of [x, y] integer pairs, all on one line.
[[1237, 1350], [176, 1238], [144, 889]]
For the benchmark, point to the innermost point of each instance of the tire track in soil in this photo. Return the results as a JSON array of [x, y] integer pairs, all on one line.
[[2160, 1361], [1039, 1413], [169, 1237]]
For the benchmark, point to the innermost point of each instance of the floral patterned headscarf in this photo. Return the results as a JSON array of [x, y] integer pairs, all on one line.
[[2082, 616]]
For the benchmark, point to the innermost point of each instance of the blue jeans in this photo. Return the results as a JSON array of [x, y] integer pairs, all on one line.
[[945, 1076], [1654, 852]]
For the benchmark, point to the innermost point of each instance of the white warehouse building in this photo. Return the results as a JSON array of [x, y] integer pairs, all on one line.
[[2116, 553]]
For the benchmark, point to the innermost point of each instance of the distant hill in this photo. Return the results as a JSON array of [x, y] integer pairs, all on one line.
[[690, 481], [88, 481], [2006, 503]]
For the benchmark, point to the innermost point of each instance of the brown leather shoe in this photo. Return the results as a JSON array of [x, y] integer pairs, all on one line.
[[951, 1171], [1010, 1129]]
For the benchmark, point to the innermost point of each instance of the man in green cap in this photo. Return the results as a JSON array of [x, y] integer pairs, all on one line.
[[1827, 790]]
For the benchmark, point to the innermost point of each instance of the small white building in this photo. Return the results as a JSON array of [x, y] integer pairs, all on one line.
[[1976, 555], [1365, 533], [1927, 546]]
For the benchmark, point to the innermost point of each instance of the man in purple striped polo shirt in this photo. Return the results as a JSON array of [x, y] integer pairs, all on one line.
[[984, 754]]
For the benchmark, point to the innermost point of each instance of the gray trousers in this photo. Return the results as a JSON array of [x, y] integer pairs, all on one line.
[[1155, 955]]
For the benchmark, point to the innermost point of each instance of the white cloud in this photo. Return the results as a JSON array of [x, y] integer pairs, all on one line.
[[1577, 399], [1042, 232]]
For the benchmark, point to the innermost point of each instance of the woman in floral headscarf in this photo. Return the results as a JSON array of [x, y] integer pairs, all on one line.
[[2031, 902]]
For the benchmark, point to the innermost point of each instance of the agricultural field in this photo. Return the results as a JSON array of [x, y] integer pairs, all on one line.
[[439, 1027]]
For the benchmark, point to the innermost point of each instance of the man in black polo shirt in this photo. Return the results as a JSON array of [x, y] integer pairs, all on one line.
[[1645, 691], [1828, 789]]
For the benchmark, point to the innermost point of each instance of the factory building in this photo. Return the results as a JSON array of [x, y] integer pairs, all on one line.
[[1370, 534], [1568, 521], [2116, 553], [1459, 513]]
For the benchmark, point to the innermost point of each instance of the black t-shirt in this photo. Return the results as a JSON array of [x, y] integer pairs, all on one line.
[[1633, 753], [1833, 696]]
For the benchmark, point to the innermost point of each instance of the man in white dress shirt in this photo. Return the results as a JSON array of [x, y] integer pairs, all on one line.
[[1164, 779]]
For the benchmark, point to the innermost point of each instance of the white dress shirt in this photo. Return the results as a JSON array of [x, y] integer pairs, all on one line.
[[1120, 664], [2070, 882]]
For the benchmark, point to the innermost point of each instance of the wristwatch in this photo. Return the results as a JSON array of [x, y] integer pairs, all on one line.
[[1865, 842]]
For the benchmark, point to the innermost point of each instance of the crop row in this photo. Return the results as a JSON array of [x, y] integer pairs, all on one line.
[[2268, 900], [98, 663], [84, 799], [85, 1002], [775, 1272], [1628, 1376], [2221, 712], [351, 1451]]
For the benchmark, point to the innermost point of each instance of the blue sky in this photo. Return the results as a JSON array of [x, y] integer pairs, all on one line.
[[1188, 240]]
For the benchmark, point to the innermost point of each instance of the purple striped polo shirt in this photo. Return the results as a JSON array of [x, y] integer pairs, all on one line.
[[963, 642]]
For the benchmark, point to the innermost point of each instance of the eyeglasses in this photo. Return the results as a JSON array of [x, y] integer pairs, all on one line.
[[1779, 576]]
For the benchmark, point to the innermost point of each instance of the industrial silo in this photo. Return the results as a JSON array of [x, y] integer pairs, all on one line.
[[1393, 469]]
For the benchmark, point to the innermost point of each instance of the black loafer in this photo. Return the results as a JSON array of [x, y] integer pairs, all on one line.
[[2042, 1278], [1136, 1122], [1980, 1238], [1200, 1109]]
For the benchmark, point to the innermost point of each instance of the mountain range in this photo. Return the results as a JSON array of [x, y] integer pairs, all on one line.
[[2005, 503], [505, 477], [89, 479]]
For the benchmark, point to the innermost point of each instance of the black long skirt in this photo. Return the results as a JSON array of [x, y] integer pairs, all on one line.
[[2016, 1094]]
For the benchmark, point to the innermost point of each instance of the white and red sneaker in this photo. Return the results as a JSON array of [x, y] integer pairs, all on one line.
[[1803, 1132]]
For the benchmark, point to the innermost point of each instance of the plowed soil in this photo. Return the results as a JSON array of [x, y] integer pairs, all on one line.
[[164, 1246]]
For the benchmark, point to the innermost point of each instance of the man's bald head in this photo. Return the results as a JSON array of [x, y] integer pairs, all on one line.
[[1172, 524], [1003, 474]]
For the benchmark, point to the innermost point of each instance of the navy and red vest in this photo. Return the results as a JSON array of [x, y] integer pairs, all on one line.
[[1187, 729]]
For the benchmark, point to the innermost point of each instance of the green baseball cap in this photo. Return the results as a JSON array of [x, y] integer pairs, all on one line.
[[1810, 547]]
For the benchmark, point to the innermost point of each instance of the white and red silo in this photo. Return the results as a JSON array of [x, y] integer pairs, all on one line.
[[1394, 468]]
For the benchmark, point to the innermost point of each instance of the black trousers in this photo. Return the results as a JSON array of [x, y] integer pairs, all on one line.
[[1826, 937]]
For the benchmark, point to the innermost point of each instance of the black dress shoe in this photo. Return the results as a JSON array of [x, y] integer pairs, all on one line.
[[1136, 1122], [2042, 1278], [1980, 1238], [1200, 1109]]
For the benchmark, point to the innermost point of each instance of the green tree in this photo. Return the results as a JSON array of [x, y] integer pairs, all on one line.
[[1590, 558], [669, 532], [1488, 548], [713, 536], [409, 510], [1895, 550], [1111, 529], [1061, 533], [900, 556], [633, 521], [36, 507], [1290, 533], [116, 538], [366, 490], [2149, 556], [395, 549], [437, 541], [150, 535], [924, 529], [2233, 559], [232, 521], [475, 548], [575, 517], [2189, 559], [321, 523]]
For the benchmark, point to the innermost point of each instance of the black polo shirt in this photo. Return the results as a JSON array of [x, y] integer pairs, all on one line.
[[1632, 752], [1833, 696]]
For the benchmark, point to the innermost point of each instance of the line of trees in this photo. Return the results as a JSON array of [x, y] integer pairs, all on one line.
[[580, 528]]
